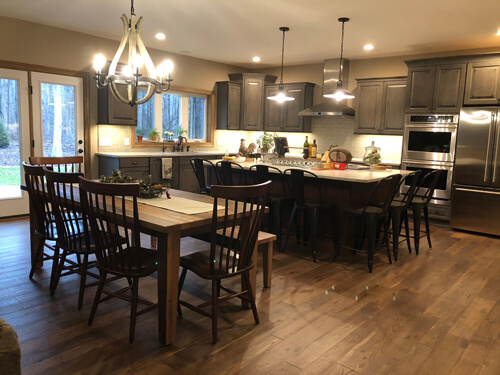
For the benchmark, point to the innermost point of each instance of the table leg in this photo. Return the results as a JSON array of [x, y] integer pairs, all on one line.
[[169, 246], [268, 264]]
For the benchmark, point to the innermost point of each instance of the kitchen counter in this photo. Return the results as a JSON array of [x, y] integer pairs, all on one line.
[[159, 154]]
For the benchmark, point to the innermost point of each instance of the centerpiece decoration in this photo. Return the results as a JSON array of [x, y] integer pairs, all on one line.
[[147, 189]]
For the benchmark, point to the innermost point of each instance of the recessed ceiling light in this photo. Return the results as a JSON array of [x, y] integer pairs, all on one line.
[[498, 32], [160, 36], [368, 47], [256, 59]]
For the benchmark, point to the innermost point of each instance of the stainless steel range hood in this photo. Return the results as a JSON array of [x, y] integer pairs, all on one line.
[[330, 107]]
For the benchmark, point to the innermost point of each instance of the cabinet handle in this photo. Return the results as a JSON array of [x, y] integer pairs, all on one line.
[[295, 90], [134, 163]]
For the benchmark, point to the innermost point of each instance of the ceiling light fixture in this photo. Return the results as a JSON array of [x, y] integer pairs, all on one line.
[[155, 80], [256, 59], [498, 32], [160, 36], [280, 96], [339, 93], [368, 47]]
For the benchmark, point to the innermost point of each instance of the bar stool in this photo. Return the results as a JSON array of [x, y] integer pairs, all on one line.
[[398, 212], [227, 170], [309, 207], [198, 166], [367, 217], [275, 201]]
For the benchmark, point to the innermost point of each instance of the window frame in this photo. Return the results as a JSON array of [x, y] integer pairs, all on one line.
[[210, 119]]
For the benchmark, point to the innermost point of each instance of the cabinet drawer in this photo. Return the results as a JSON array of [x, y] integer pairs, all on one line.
[[132, 162], [137, 173]]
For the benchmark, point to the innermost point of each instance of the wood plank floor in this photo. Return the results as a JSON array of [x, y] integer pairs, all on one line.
[[436, 313]]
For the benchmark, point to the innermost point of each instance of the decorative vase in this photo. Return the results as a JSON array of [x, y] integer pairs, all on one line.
[[139, 138]]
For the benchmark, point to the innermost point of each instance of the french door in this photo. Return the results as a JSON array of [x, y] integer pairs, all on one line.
[[57, 115], [14, 141]]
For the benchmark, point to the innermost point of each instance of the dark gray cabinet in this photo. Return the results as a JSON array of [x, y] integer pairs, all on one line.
[[380, 106], [228, 96], [482, 83], [284, 116], [435, 88], [134, 167], [187, 178]]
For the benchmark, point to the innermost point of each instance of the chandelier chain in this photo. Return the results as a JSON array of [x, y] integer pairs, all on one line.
[[282, 56], [132, 10], [341, 52]]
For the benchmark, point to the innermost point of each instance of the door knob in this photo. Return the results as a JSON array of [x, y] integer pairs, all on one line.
[[80, 150]]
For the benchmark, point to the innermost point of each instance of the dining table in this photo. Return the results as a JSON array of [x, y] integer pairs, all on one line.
[[169, 226]]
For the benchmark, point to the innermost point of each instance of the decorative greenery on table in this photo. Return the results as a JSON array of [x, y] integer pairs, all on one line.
[[147, 189]]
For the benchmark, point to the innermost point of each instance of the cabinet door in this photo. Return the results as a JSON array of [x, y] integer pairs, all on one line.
[[482, 85], [252, 104], [233, 107], [419, 98], [368, 111], [393, 97], [292, 121], [449, 88], [273, 111], [187, 178]]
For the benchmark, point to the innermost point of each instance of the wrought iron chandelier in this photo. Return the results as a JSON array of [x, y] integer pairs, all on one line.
[[154, 80], [280, 96], [340, 93]]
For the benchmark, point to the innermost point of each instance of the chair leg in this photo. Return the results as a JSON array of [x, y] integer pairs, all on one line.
[[386, 240], [371, 226], [55, 266], [214, 311], [133, 309], [339, 231], [35, 259], [83, 279], [181, 284], [313, 227], [407, 230], [251, 297], [97, 297], [276, 222], [395, 216], [427, 228], [292, 220], [417, 212], [58, 272]]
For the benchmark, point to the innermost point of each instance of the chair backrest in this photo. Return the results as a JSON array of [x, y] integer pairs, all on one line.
[[411, 180], [226, 171], [114, 221], [39, 200], [232, 247], [59, 164], [427, 185], [72, 226], [297, 183], [262, 173], [384, 192], [198, 166]]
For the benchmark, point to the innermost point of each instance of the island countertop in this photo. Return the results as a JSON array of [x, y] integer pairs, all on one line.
[[347, 175], [152, 154]]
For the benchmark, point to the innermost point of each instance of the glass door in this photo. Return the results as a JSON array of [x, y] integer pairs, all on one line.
[[57, 115], [14, 141]]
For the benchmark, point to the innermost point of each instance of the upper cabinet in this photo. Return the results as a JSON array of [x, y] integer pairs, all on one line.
[[228, 96], [380, 106], [482, 86], [284, 117], [435, 88]]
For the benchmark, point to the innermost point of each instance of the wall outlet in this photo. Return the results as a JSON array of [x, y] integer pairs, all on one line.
[[105, 141], [126, 141]]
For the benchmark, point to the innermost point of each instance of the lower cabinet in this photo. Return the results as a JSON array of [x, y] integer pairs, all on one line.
[[134, 167], [186, 178]]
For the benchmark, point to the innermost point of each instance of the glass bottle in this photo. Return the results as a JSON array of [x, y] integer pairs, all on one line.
[[372, 155], [314, 149], [306, 148]]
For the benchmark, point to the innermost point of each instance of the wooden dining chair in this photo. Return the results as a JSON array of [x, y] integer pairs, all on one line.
[[72, 228], [45, 229], [231, 249], [70, 164], [114, 220]]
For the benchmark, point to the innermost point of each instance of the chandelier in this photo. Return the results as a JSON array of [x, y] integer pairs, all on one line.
[[154, 80]]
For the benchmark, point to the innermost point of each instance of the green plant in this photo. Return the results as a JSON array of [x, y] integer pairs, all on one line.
[[4, 136], [266, 140], [139, 132], [153, 133], [181, 131]]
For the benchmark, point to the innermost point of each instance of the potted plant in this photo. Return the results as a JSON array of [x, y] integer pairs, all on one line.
[[140, 133], [153, 135], [181, 131], [266, 141], [168, 136]]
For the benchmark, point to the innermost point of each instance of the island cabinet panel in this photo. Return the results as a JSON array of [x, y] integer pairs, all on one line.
[[449, 88], [420, 89], [228, 96], [482, 84], [380, 106]]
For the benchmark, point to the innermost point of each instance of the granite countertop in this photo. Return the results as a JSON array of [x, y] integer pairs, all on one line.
[[348, 175], [150, 154]]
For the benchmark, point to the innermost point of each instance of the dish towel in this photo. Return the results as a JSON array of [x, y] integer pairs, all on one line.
[[166, 168]]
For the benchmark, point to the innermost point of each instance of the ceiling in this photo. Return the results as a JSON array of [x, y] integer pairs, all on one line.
[[233, 31]]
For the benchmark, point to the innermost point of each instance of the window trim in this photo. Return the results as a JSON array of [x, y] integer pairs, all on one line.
[[210, 120]]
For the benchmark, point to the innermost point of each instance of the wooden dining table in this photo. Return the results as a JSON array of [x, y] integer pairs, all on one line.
[[169, 227]]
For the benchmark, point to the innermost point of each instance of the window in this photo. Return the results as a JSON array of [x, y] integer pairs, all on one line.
[[180, 112]]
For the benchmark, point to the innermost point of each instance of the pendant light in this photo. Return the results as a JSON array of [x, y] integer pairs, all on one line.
[[280, 96], [154, 80], [340, 93]]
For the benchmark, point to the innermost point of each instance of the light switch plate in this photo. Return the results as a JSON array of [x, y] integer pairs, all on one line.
[[126, 141], [105, 141]]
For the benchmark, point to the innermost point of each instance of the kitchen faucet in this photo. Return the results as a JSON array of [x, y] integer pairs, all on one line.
[[178, 146]]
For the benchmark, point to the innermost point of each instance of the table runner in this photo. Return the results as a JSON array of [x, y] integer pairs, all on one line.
[[182, 205]]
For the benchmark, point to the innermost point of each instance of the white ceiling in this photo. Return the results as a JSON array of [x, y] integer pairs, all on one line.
[[233, 31]]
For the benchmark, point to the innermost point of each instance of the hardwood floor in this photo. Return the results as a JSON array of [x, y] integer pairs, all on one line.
[[436, 313]]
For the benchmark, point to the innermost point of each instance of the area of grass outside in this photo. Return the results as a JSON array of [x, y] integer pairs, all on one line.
[[10, 175]]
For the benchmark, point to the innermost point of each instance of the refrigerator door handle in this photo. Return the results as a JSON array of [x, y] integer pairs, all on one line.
[[478, 191], [488, 150]]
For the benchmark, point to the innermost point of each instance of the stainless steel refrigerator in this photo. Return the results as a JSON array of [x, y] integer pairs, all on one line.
[[475, 203]]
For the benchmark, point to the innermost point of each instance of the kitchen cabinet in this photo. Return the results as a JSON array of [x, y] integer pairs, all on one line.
[[380, 106], [435, 88], [284, 117], [186, 178], [228, 96], [482, 83], [134, 167]]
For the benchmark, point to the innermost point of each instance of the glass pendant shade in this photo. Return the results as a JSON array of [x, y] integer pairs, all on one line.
[[281, 96]]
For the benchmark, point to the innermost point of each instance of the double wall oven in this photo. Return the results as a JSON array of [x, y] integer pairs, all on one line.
[[429, 143]]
